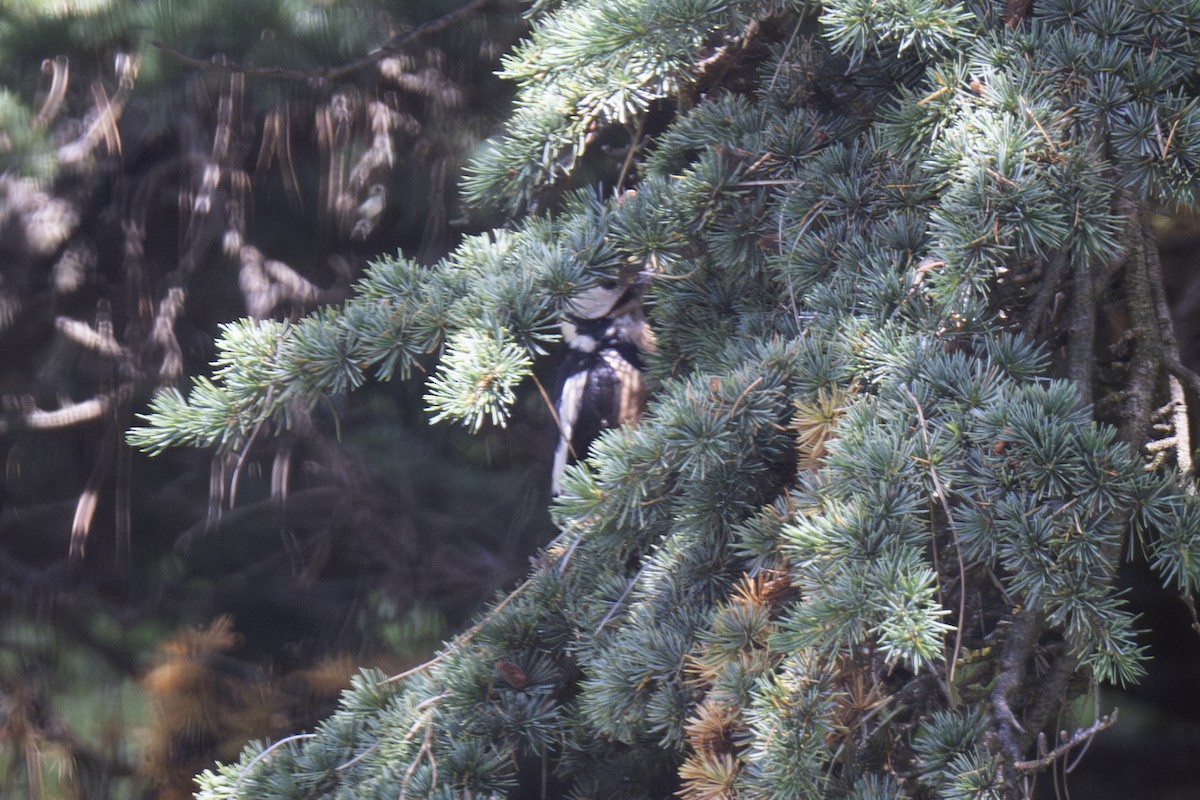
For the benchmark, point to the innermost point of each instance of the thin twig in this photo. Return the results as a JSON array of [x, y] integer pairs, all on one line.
[[267, 752], [1029, 112], [627, 164], [743, 395], [1095, 692], [1080, 736], [469, 634], [426, 750], [612, 612], [419, 668], [766, 182], [466, 636], [425, 717], [787, 48], [554, 413], [962, 569]]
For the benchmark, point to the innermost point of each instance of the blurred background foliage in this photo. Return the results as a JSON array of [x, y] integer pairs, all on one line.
[[164, 168]]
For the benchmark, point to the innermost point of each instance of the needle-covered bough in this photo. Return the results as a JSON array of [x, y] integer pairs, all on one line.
[[910, 346]]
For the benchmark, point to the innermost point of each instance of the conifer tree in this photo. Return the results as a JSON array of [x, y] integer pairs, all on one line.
[[913, 360]]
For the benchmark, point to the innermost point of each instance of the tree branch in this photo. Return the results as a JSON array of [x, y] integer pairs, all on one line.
[[1026, 625], [1180, 377], [1075, 739], [1147, 337]]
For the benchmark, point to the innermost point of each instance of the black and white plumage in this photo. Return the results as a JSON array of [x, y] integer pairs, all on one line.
[[601, 383]]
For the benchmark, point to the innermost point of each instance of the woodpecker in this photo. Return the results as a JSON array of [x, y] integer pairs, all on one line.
[[600, 379]]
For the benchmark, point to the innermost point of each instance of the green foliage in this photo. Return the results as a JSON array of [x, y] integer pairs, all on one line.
[[867, 25], [166, 166], [47, 681], [963, 517], [478, 379], [23, 146], [585, 66]]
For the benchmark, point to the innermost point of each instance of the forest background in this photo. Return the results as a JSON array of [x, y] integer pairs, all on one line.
[[151, 624]]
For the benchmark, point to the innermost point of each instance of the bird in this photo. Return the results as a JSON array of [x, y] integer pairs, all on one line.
[[600, 379]]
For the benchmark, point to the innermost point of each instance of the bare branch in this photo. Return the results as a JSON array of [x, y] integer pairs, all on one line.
[[91, 338], [73, 414], [1069, 741], [1180, 377]]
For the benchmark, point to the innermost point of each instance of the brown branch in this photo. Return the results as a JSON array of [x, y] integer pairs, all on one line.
[[1146, 360], [634, 144], [108, 112], [1018, 645], [554, 413], [1180, 377], [307, 504], [323, 76]]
